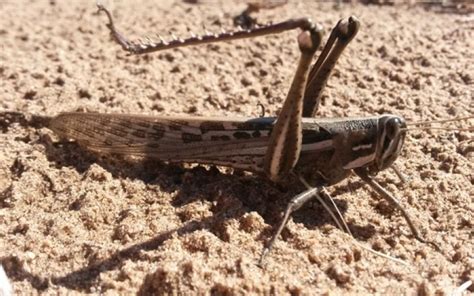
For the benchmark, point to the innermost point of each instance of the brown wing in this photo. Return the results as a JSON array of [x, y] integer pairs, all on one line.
[[239, 143]]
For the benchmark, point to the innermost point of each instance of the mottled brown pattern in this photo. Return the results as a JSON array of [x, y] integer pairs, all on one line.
[[242, 135], [119, 132], [143, 124], [152, 145], [211, 125], [246, 125], [256, 134], [188, 138], [124, 123], [140, 133], [175, 126], [220, 138], [159, 132]]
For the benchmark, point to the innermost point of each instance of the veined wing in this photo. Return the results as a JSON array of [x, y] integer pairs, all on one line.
[[238, 143]]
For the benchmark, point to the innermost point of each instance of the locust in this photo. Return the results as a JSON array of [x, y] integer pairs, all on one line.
[[319, 152]]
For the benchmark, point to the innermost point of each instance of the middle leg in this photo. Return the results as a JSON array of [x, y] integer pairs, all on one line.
[[362, 173]]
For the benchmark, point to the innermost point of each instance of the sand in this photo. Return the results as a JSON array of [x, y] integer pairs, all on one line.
[[75, 222]]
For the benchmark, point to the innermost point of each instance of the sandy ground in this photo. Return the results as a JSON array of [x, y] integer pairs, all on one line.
[[73, 222]]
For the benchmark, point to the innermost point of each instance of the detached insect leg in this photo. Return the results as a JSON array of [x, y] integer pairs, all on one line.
[[340, 37], [394, 202]]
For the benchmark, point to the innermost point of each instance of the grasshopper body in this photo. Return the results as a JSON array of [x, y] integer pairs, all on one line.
[[322, 151], [330, 148]]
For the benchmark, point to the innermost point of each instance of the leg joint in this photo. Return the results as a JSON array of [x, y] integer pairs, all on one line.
[[346, 30]]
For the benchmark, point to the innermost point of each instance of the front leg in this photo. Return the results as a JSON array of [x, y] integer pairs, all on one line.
[[362, 173], [285, 140]]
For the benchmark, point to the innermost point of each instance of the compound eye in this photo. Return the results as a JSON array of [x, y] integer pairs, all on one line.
[[393, 128]]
